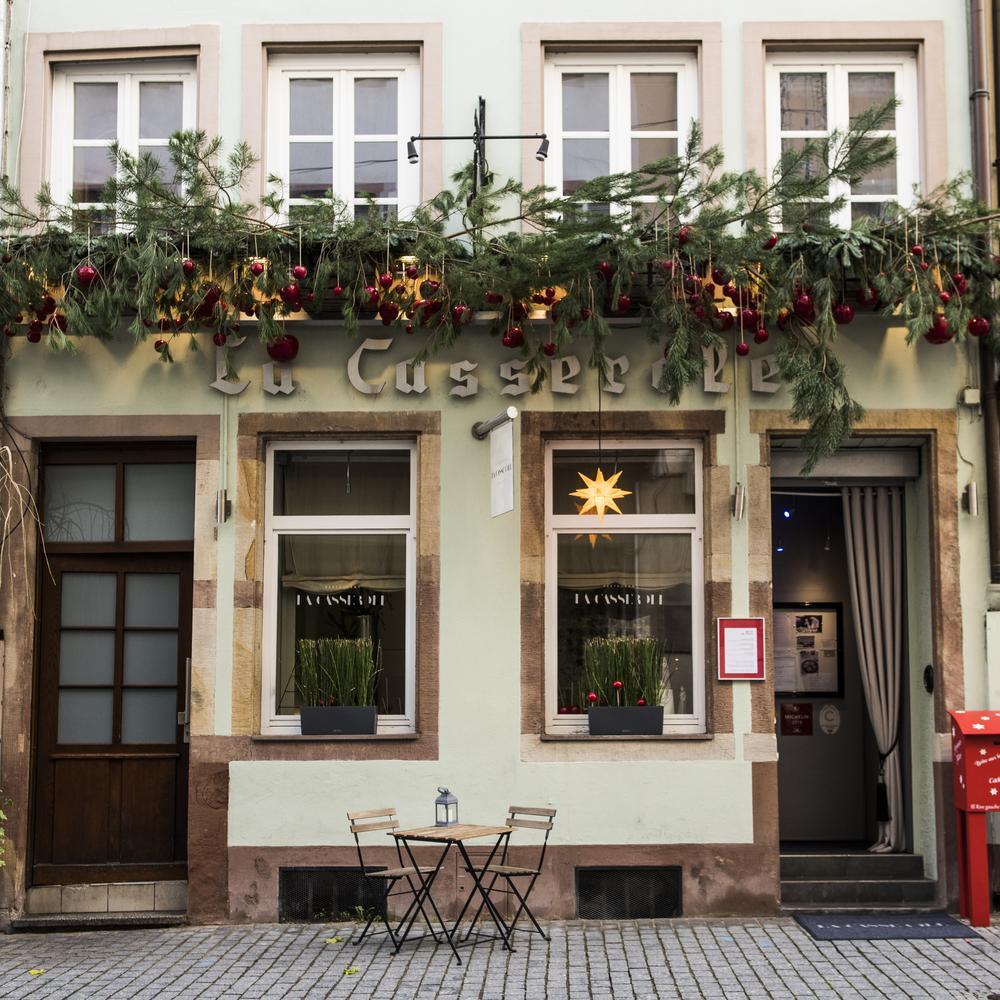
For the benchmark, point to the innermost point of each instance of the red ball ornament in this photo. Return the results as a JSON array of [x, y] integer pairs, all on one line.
[[300, 271], [924, 265], [606, 268], [549, 349], [591, 697], [667, 266], [730, 290], [945, 297], [843, 313], [35, 331], [86, 274], [771, 242], [867, 297], [563, 710], [961, 285], [388, 311], [337, 291], [408, 328], [371, 293], [9, 331], [641, 702], [290, 294], [385, 280], [284, 349], [803, 305], [158, 345], [429, 287], [939, 333], [188, 267], [742, 348], [624, 303], [749, 318], [979, 326], [514, 337], [493, 298], [550, 293], [761, 335], [412, 271], [719, 276], [219, 339], [460, 314], [725, 320], [917, 250], [683, 235], [257, 268], [617, 685]]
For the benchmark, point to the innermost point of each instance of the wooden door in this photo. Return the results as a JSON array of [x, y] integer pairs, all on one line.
[[111, 761]]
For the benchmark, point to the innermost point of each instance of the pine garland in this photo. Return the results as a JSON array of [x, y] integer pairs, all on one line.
[[697, 259]]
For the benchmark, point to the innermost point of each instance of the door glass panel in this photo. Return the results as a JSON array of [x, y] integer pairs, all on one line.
[[161, 109], [88, 599], [87, 657], [310, 169], [80, 503], [654, 102], [342, 483], [95, 111], [151, 600], [803, 102], [150, 657], [585, 102], [375, 167], [375, 103], [310, 107], [85, 716], [149, 716], [159, 502]]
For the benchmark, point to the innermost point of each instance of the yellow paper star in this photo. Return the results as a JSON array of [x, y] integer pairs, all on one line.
[[592, 538], [599, 494]]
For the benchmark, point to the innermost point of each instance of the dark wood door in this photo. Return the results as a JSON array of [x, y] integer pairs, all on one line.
[[111, 758]]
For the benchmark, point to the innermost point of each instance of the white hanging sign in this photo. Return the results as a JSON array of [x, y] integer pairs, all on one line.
[[502, 469]]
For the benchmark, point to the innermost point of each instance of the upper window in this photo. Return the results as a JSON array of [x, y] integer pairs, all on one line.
[[637, 574], [139, 105], [340, 562], [338, 125], [614, 114], [810, 97]]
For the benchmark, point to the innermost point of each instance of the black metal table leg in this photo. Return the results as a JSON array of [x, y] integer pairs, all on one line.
[[426, 883], [494, 913]]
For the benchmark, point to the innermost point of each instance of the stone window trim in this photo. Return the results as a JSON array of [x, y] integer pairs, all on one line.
[[254, 432]]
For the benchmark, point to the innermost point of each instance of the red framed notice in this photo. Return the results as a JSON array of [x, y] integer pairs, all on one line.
[[741, 649]]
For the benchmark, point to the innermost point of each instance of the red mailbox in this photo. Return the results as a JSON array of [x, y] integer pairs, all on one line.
[[975, 756]]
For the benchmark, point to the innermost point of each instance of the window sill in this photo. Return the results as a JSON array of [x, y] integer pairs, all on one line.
[[298, 738], [586, 738]]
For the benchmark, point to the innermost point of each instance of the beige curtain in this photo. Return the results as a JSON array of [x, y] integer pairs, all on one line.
[[873, 526]]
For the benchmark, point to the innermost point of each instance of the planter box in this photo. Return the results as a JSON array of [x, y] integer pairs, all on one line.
[[338, 720], [625, 720]]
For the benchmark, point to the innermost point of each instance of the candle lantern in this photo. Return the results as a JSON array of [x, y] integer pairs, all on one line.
[[445, 808]]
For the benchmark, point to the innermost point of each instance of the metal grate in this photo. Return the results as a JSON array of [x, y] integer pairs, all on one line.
[[318, 895], [631, 892]]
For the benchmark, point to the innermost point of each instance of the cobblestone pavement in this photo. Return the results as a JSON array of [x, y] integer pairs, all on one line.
[[609, 961]]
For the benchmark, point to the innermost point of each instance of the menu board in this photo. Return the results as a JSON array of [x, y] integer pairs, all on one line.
[[807, 649]]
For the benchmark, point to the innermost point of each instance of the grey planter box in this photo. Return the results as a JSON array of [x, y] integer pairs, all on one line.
[[625, 720], [338, 720]]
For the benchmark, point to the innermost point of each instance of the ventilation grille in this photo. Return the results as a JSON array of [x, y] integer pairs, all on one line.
[[628, 893], [319, 895]]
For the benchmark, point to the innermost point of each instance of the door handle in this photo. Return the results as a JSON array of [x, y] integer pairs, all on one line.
[[184, 718]]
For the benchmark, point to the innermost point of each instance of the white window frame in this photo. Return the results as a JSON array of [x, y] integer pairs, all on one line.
[[837, 66], [619, 67], [343, 69], [128, 75], [381, 524], [685, 524]]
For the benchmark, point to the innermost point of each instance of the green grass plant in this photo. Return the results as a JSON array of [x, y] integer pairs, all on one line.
[[337, 671], [636, 663]]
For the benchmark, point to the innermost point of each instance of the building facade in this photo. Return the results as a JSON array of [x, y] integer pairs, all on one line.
[[192, 526]]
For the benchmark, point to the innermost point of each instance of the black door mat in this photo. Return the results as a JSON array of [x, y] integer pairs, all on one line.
[[882, 926]]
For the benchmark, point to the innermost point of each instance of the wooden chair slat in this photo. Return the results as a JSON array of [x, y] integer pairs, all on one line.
[[531, 811], [370, 813], [528, 824], [390, 824]]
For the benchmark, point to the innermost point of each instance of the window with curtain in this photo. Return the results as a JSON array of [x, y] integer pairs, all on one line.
[[810, 97], [636, 574], [339, 562]]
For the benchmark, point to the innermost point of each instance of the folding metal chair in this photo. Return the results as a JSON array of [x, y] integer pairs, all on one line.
[[538, 819], [372, 821]]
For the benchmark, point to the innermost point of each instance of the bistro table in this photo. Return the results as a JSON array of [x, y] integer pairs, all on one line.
[[448, 837]]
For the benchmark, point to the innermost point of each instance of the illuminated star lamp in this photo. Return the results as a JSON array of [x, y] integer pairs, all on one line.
[[599, 494]]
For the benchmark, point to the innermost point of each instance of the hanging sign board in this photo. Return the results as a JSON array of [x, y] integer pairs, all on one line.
[[502, 469], [741, 649]]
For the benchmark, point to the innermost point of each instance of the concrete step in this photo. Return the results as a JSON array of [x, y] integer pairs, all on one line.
[[860, 909], [871, 892], [854, 865], [122, 920]]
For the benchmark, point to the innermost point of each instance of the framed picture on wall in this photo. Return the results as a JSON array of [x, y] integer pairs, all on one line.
[[809, 650]]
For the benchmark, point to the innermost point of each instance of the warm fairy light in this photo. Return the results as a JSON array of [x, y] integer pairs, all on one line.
[[600, 494]]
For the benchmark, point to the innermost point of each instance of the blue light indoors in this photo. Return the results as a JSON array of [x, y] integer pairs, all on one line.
[[786, 514]]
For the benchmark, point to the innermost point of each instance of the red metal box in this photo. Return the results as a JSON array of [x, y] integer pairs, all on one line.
[[975, 754]]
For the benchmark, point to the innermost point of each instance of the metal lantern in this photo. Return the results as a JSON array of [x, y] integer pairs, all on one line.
[[445, 808]]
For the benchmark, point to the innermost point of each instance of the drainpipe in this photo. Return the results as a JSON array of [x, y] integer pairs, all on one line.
[[5, 30], [982, 167]]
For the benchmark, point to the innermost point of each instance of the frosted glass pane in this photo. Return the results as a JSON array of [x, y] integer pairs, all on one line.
[[85, 716], [151, 600], [871, 90], [159, 502], [803, 101], [375, 103], [585, 102], [87, 658], [88, 599], [149, 716], [161, 109], [80, 503], [310, 107], [375, 166], [95, 111], [150, 657]]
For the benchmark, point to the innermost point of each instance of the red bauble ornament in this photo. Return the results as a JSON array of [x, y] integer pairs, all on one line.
[[59, 322], [945, 297], [429, 287], [412, 271], [549, 349], [460, 314], [188, 267], [388, 311], [290, 294], [35, 331], [867, 297], [337, 291], [748, 317], [158, 345], [385, 280], [761, 335], [939, 333], [730, 290], [284, 349], [408, 328], [624, 303], [725, 320], [617, 685], [961, 285], [550, 293], [784, 315], [9, 331], [683, 235], [300, 271], [519, 310], [771, 242], [219, 339], [514, 337], [803, 305], [86, 274], [641, 702], [591, 697], [371, 294], [917, 250], [606, 268], [843, 313], [979, 326], [563, 710], [257, 268], [538, 299], [667, 266], [6, 258], [742, 348], [924, 265], [719, 276], [493, 298]]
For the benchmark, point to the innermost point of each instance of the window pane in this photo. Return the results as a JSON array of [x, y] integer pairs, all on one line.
[[871, 90], [89, 600], [871, 210], [583, 160], [343, 586], [375, 106], [168, 172], [804, 162], [362, 211], [159, 502], [660, 481], [632, 585], [79, 503], [95, 111], [85, 716], [161, 109], [310, 169], [344, 483], [310, 107], [803, 101], [149, 716], [375, 168], [646, 151], [92, 169], [881, 180], [151, 600], [150, 657], [654, 102], [585, 102], [87, 658]]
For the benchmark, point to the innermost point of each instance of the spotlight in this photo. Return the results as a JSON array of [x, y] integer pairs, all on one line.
[[786, 514], [779, 547], [543, 149], [411, 151]]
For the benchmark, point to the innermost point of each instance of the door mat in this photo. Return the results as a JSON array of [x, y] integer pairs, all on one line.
[[882, 926]]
